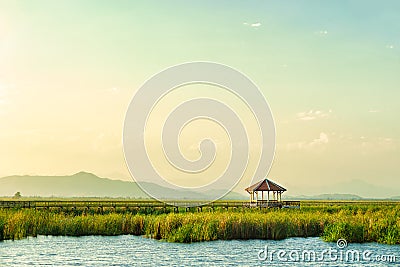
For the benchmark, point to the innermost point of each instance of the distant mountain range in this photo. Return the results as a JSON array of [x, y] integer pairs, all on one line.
[[352, 188], [85, 184], [334, 197], [326, 197]]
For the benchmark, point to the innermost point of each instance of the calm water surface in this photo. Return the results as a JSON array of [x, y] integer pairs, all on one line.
[[138, 251]]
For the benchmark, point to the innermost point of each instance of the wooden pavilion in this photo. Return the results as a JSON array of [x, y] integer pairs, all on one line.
[[267, 186]]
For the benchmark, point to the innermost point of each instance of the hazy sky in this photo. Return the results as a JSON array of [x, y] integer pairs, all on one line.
[[329, 70]]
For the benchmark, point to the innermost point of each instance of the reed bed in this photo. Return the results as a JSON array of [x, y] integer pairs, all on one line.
[[354, 223]]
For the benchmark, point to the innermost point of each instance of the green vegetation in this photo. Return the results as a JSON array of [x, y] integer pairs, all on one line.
[[17, 195], [355, 223]]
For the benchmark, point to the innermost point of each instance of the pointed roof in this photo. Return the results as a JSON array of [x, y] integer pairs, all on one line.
[[265, 185]]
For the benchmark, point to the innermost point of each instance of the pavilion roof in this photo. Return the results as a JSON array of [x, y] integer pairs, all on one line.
[[265, 185]]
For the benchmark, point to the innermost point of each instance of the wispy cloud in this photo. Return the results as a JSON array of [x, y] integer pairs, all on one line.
[[362, 144], [254, 25], [313, 115], [366, 144], [374, 111], [374, 144], [323, 139], [321, 32], [319, 142]]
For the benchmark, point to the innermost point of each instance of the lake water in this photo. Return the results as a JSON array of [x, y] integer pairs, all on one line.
[[138, 251]]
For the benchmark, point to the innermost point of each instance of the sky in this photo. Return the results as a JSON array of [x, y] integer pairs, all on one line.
[[329, 71]]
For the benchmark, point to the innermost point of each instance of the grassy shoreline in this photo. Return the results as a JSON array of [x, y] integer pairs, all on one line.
[[355, 223]]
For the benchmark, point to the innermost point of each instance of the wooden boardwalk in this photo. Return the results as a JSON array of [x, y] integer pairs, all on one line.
[[138, 204], [176, 206]]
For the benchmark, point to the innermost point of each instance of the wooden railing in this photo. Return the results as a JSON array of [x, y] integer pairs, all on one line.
[[156, 204], [137, 204]]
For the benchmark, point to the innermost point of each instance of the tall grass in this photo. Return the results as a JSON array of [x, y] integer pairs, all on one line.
[[354, 223], [365, 224]]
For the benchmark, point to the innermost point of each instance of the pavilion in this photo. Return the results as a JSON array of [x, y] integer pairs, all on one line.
[[267, 186]]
